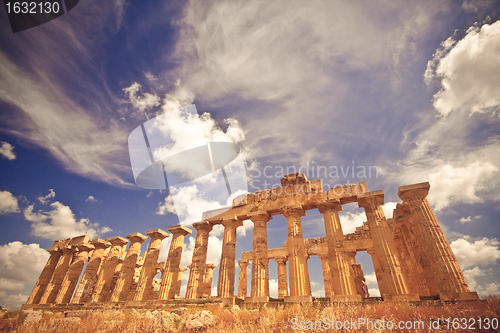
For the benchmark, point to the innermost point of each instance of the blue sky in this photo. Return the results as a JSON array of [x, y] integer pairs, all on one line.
[[411, 88]]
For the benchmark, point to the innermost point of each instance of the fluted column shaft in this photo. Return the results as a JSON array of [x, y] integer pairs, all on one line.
[[385, 249], [327, 275], [225, 285], [242, 278], [260, 260], [177, 290], [75, 269], [282, 277], [105, 279], [90, 276], [444, 265], [50, 294], [342, 276], [378, 272], [207, 292], [195, 285], [149, 268], [46, 275], [127, 271], [298, 271], [169, 277]]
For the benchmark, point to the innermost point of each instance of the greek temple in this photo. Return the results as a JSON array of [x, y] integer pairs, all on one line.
[[412, 259]]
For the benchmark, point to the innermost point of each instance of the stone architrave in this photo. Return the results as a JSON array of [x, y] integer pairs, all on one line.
[[260, 262], [282, 277], [242, 278], [394, 280], [149, 269], [50, 294], [127, 271], [177, 290], [207, 292], [168, 284], [195, 284], [89, 278], [300, 285], [327, 275], [46, 275], [343, 285], [105, 279], [75, 269], [448, 275], [225, 285]]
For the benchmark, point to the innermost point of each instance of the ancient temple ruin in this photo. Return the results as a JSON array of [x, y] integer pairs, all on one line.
[[412, 259]]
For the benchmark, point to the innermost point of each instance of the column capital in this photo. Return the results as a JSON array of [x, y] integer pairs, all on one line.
[[55, 248], [259, 216], [415, 191], [323, 256], [117, 241], [203, 226], [323, 206], [295, 211], [376, 197], [282, 259], [210, 266], [85, 247], [137, 237], [182, 269], [232, 222], [157, 234], [179, 230], [243, 263], [100, 243], [370, 251], [69, 249]]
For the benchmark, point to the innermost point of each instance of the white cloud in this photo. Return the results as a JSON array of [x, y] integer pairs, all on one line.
[[484, 289], [273, 288], [20, 266], [477, 253], [91, 199], [469, 71], [374, 292], [60, 223], [7, 150], [458, 184], [45, 199], [318, 293], [179, 98], [8, 203], [141, 103], [84, 144], [469, 219], [371, 279], [242, 231]]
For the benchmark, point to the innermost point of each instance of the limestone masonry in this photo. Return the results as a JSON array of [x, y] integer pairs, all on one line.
[[411, 256]]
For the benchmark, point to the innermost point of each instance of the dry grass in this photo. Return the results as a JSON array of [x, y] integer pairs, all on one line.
[[264, 319]]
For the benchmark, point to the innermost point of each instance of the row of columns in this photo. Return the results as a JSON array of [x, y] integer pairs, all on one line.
[[109, 275]]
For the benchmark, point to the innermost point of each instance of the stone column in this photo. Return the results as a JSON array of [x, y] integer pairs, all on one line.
[[195, 285], [282, 277], [126, 274], [103, 285], [447, 272], [89, 278], [359, 279], [343, 285], [48, 270], [50, 294], [179, 281], [395, 281], [148, 272], [75, 269], [410, 265], [327, 275], [242, 278], [225, 285], [260, 261], [169, 277], [300, 285], [207, 292]]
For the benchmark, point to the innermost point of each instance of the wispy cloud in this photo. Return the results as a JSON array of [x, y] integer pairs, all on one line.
[[7, 151]]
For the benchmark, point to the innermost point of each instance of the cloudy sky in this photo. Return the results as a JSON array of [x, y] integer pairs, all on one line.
[[408, 88]]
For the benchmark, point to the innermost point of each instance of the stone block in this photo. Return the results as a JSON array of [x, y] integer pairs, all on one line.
[[298, 299], [461, 296], [401, 297], [345, 298]]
